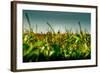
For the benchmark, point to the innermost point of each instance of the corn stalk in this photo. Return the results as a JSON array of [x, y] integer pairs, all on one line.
[[27, 17]]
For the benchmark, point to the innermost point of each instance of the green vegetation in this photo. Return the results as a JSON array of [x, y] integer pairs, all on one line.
[[55, 46]]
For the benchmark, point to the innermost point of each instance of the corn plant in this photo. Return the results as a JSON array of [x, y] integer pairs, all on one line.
[[53, 46]]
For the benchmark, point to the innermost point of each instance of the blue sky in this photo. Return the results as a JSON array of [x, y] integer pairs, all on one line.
[[58, 20]]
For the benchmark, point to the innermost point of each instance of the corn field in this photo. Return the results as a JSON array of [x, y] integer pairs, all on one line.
[[55, 46]]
